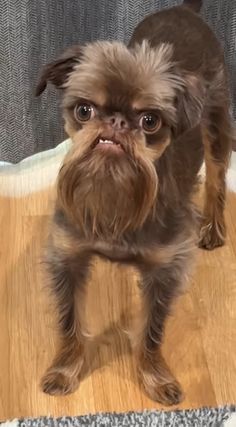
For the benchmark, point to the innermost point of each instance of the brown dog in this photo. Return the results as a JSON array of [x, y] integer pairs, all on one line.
[[141, 118]]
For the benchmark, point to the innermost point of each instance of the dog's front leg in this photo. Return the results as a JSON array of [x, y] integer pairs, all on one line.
[[68, 276], [159, 287]]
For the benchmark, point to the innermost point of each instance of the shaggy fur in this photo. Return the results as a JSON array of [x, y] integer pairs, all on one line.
[[131, 201]]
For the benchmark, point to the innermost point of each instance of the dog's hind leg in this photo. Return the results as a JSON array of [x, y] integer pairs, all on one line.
[[217, 140]]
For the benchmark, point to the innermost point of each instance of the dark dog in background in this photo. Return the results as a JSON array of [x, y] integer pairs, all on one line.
[[141, 118]]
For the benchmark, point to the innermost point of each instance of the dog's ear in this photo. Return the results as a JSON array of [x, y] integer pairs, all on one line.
[[190, 102], [58, 71]]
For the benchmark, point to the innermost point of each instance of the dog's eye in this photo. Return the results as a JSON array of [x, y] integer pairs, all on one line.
[[84, 112], [150, 122]]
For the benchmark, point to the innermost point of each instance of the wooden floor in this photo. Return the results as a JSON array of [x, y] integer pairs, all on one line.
[[200, 343]]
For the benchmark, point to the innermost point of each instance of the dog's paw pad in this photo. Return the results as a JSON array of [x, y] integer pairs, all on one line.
[[56, 383]]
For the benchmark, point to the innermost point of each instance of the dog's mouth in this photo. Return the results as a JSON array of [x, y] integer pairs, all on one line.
[[108, 144]]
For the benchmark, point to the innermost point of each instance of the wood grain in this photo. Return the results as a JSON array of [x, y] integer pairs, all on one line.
[[200, 342]]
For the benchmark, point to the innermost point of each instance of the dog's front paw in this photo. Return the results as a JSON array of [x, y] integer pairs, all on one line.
[[212, 235], [161, 386], [58, 383], [167, 394]]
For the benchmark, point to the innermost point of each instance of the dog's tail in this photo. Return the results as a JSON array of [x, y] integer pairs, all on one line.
[[195, 5]]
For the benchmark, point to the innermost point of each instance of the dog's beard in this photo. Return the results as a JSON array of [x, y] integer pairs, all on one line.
[[104, 192]]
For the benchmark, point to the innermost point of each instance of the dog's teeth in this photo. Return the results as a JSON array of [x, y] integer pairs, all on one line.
[[105, 141]]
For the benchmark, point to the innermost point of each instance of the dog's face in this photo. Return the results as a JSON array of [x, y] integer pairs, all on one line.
[[122, 108]]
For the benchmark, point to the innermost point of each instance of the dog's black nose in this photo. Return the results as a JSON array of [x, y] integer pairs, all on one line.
[[118, 122]]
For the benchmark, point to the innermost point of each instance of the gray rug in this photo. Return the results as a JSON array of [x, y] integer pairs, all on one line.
[[205, 417]]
